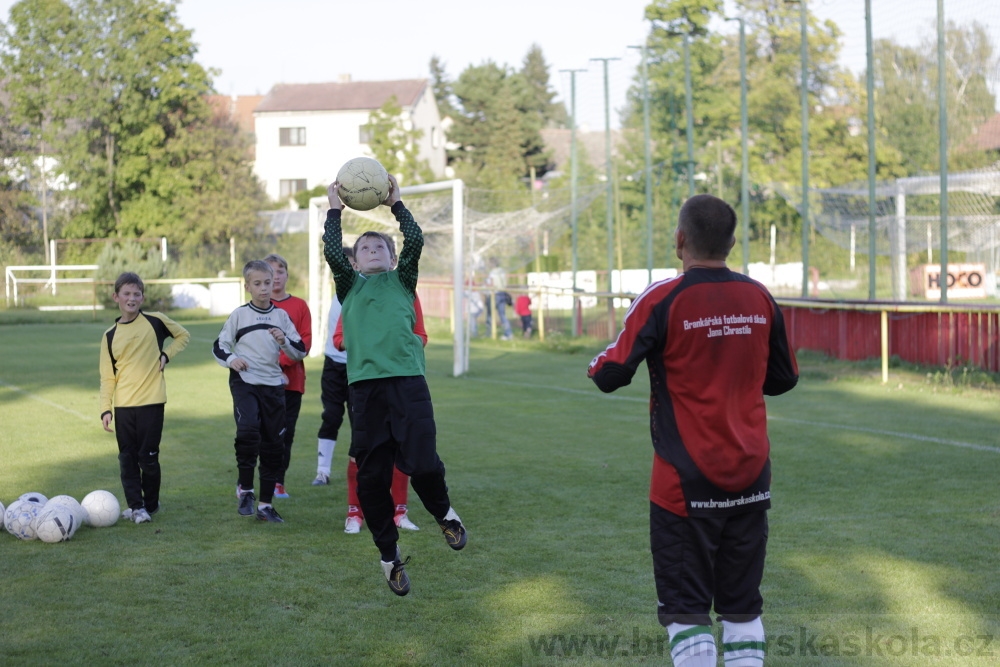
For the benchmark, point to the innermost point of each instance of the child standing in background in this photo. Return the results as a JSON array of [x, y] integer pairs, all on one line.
[[249, 346], [132, 360], [293, 371]]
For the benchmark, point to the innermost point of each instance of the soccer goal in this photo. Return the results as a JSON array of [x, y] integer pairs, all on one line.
[[449, 216]]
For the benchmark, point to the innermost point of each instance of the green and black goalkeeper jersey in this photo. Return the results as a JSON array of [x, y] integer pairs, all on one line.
[[378, 315]]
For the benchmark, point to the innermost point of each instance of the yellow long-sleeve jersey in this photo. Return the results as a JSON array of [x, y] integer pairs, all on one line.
[[130, 360]]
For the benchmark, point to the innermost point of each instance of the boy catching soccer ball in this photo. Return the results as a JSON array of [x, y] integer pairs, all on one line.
[[714, 342], [393, 421], [132, 363], [249, 345]]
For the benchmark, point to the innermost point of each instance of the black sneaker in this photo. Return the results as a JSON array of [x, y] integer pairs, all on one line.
[[395, 575], [246, 503], [454, 532], [269, 514]]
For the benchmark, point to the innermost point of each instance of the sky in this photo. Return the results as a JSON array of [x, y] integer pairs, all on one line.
[[257, 43]]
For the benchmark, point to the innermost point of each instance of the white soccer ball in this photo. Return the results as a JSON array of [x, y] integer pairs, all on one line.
[[102, 508], [55, 523], [70, 503], [364, 183], [34, 497], [19, 519]]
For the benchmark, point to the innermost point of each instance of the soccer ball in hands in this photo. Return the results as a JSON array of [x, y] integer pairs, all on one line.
[[19, 519], [75, 508], [102, 508], [364, 183], [55, 523]]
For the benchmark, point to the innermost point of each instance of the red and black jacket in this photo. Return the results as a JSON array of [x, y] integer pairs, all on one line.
[[714, 342]]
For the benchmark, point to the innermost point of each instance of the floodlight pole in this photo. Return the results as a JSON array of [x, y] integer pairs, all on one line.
[[943, 149], [573, 203], [870, 83], [804, 76], [744, 123], [609, 196], [647, 142], [689, 107]]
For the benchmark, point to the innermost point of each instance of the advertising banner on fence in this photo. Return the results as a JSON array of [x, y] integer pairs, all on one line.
[[965, 281]]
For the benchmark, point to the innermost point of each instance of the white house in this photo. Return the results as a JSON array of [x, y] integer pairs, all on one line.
[[305, 132]]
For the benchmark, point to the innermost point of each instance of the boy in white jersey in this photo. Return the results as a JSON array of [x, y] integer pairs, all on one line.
[[393, 419], [249, 346]]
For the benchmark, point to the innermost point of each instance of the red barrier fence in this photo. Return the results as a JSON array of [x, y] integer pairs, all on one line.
[[928, 334]]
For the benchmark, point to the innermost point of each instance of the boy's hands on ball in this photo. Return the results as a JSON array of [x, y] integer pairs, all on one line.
[[393, 195], [333, 194]]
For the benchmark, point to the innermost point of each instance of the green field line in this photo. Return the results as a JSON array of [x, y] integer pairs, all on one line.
[[47, 402]]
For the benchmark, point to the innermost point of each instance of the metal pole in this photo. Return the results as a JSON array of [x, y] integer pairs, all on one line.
[[744, 122], [870, 82], [690, 113], [574, 214], [943, 149], [803, 15], [609, 195], [647, 141]]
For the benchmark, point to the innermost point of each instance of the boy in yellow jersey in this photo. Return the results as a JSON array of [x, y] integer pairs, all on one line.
[[132, 360]]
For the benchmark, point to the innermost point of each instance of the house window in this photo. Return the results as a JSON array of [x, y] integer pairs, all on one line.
[[435, 137], [292, 136], [365, 134], [288, 187]]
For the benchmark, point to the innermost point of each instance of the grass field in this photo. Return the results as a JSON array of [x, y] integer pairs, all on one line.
[[883, 546]]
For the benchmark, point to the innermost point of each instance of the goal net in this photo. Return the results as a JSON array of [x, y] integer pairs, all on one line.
[[465, 230]]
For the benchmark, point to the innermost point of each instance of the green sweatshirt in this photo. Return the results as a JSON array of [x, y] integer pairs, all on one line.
[[378, 313]]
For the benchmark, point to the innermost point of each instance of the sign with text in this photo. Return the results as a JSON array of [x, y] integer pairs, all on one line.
[[965, 281]]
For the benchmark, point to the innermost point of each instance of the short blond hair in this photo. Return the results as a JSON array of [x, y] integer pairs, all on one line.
[[257, 265], [275, 258]]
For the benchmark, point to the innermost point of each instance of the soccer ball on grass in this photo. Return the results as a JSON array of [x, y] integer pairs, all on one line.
[[102, 508], [34, 497], [19, 519], [364, 183], [55, 523], [75, 508]]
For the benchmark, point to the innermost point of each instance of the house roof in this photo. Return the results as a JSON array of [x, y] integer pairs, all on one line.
[[341, 96], [987, 136]]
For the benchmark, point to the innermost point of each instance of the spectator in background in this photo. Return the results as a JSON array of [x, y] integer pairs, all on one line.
[[523, 308]]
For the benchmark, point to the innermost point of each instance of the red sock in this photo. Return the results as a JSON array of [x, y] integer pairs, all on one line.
[[353, 504], [400, 488]]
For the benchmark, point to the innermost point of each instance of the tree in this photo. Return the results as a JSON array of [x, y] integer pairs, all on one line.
[[838, 153], [498, 120], [441, 86], [121, 101], [907, 101], [394, 144]]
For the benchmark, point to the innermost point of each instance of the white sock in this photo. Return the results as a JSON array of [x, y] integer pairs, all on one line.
[[325, 457], [692, 645], [261, 506], [743, 644]]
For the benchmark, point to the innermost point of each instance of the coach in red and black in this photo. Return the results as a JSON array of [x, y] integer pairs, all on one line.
[[714, 342]]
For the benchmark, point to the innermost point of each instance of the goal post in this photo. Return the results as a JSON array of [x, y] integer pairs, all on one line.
[[320, 291]]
